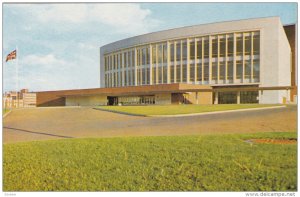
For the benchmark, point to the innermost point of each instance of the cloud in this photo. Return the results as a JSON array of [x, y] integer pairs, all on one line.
[[42, 60], [123, 17]]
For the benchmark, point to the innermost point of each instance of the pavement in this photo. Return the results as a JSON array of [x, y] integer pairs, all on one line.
[[85, 122]]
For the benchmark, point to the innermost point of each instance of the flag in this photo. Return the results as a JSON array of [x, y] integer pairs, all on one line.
[[12, 55]]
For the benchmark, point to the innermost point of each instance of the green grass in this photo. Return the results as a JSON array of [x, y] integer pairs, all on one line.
[[176, 163], [4, 111], [179, 109]]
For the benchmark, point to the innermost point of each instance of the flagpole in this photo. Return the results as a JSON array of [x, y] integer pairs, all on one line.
[[17, 73]]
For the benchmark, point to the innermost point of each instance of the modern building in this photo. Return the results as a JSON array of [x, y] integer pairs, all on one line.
[[243, 61]]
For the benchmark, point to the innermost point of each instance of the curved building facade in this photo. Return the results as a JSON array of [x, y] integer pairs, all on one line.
[[246, 53]]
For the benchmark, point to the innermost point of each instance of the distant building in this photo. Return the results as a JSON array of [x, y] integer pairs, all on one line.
[[24, 98], [243, 61]]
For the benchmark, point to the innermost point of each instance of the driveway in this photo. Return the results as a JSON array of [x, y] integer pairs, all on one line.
[[82, 122]]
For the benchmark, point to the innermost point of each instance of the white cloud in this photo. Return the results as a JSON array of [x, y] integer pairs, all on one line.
[[123, 17], [43, 60]]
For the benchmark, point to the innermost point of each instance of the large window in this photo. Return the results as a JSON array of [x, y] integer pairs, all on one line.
[[206, 48], [184, 72], [160, 74], [199, 72], [184, 51], [248, 97], [214, 47], [199, 49], [214, 71], [256, 44], [165, 53], [256, 69], [178, 51], [247, 69], [230, 46], [206, 71], [239, 69], [165, 74], [172, 52], [178, 73], [230, 70], [192, 72], [192, 50], [154, 55], [227, 97], [222, 46], [222, 70], [172, 73], [247, 45], [153, 75], [239, 45]]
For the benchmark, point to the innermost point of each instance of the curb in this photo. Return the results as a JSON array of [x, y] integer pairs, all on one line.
[[123, 113], [6, 114], [217, 112]]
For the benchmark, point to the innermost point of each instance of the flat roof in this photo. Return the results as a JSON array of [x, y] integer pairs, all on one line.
[[133, 90]]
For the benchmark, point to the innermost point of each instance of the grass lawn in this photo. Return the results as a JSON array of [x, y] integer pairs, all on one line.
[[4, 111], [179, 109], [176, 163]]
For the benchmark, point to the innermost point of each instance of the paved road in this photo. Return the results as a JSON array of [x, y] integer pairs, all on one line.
[[58, 123]]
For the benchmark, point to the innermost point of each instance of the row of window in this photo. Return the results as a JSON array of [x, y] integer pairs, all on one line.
[[178, 74], [246, 45]]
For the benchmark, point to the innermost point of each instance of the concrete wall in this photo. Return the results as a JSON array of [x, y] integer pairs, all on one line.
[[86, 100], [163, 99]]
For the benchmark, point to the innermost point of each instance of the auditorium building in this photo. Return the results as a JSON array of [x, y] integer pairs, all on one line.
[[243, 61]]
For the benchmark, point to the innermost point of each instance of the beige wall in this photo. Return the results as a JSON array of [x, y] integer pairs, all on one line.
[[163, 99], [86, 100]]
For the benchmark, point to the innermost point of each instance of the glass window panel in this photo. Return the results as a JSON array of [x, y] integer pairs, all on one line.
[[229, 70], [256, 69], [165, 53], [247, 69], [247, 45], [214, 71], [222, 70], [159, 74], [172, 73], [147, 55], [239, 69], [178, 51], [239, 45], [192, 72], [222, 47], [159, 53], [154, 55], [153, 75], [178, 73], [227, 97], [143, 76], [199, 72], [206, 71], [184, 51], [230, 46], [148, 75], [206, 48], [256, 44], [215, 47], [165, 74], [192, 50], [184, 72], [172, 52], [199, 49], [248, 97]]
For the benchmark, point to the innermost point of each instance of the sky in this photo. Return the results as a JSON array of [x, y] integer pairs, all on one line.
[[58, 44]]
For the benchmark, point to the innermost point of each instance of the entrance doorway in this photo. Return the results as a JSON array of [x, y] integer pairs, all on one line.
[[112, 100]]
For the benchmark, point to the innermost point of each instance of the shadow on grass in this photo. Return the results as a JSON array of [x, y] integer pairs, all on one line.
[[39, 133]]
